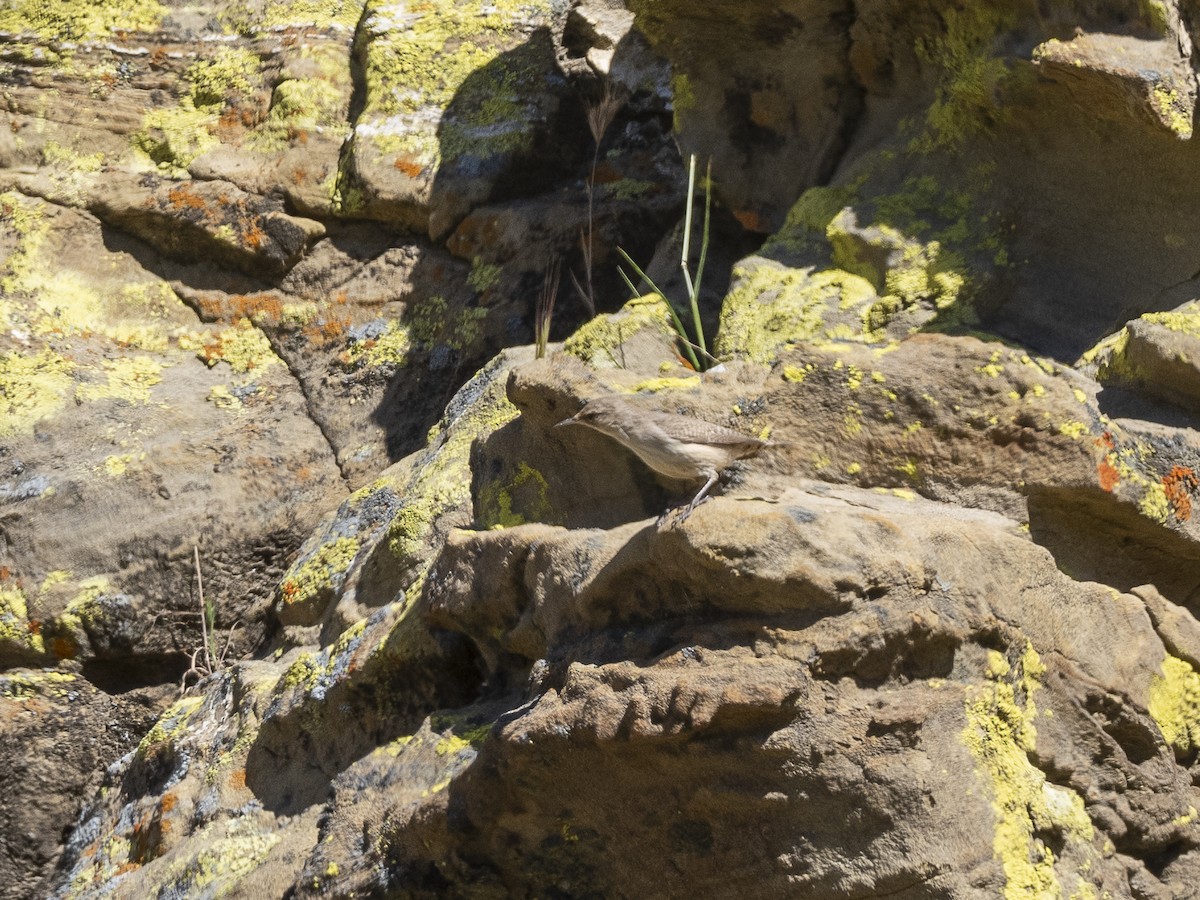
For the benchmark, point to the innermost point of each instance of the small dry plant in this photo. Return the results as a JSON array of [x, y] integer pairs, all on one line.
[[205, 659], [600, 115], [544, 311]]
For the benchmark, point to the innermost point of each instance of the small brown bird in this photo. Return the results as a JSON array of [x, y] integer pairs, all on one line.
[[674, 445]]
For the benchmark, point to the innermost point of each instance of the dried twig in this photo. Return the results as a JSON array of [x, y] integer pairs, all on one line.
[[212, 661]]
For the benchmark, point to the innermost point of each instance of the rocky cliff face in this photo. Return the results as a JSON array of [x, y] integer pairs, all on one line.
[[267, 271]]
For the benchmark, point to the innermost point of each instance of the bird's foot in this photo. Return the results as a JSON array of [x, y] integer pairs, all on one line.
[[677, 515]]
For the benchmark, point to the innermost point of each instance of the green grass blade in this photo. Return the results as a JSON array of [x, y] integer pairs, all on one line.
[[676, 322]]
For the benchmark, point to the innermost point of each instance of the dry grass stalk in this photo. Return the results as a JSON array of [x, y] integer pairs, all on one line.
[[600, 116], [544, 312]]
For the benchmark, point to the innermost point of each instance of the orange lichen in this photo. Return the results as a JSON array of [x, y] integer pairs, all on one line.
[[1108, 475], [260, 308], [750, 219], [408, 167], [255, 236], [327, 329], [183, 197], [1178, 485], [63, 648]]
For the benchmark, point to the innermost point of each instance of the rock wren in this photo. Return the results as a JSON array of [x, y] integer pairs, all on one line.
[[674, 445]]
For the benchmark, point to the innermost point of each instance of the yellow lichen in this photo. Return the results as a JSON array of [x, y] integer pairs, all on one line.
[[127, 378], [1000, 735], [170, 724], [451, 744], [1154, 503], [1073, 429], [117, 464], [1175, 704], [32, 388], [598, 342], [243, 347], [654, 385], [1173, 110], [220, 396], [315, 574], [21, 686], [496, 500], [391, 348], [70, 20], [14, 620]]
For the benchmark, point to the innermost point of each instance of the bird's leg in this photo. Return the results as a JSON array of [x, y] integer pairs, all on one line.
[[712, 479], [687, 510]]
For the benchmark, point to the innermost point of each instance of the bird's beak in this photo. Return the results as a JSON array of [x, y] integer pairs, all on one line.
[[570, 421]]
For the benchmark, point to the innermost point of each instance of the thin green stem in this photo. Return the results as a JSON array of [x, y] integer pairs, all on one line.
[[695, 290], [687, 226]]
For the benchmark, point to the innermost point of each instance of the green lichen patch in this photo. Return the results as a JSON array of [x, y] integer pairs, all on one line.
[[483, 276], [598, 342], [972, 76], [1175, 705], [1173, 110], [251, 18], [170, 726], [23, 686], [526, 490], [52, 300], [458, 734], [172, 136], [71, 170], [318, 574], [391, 348], [850, 264], [230, 74], [312, 96], [1031, 814], [771, 307], [441, 480], [434, 322], [667, 383], [227, 851], [61, 21], [26, 221], [466, 51]]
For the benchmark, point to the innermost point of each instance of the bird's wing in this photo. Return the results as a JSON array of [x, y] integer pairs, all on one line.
[[683, 428]]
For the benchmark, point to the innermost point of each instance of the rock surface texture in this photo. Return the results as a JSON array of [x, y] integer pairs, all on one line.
[[268, 274]]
